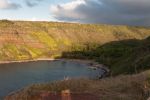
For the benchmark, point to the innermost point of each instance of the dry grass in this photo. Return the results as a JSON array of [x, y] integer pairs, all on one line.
[[129, 87]]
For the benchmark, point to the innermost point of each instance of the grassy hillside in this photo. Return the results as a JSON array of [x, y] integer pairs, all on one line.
[[122, 57], [30, 40]]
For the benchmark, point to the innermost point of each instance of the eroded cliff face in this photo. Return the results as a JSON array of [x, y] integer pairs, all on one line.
[[29, 40]]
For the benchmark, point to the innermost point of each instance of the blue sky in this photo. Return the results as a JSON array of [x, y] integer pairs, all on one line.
[[120, 12], [39, 12]]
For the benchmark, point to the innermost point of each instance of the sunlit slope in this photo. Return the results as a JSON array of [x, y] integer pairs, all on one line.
[[29, 40]]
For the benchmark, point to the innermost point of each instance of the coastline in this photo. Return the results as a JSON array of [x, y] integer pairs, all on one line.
[[92, 64], [22, 61]]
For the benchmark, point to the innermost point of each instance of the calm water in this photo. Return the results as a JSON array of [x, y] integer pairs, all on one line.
[[18, 75]]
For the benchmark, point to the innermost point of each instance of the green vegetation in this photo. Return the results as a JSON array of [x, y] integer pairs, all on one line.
[[31, 40], [122, 57]]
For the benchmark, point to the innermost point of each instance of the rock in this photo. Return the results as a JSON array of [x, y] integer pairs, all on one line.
[[148, 98]]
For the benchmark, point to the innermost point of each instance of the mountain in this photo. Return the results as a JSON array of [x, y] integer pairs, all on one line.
[[20, 40]]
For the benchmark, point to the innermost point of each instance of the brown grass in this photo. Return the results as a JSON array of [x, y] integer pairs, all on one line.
[[129, 87]]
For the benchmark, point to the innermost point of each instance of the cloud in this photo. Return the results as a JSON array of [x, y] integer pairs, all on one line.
[[129, 12], [5, 4], [67, 11], [32, 3]]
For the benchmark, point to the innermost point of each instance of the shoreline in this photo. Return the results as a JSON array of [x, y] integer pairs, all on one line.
[[22, 61], [91, 63]]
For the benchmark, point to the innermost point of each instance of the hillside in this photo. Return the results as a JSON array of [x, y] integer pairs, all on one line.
[[122, 57], [29, 40]]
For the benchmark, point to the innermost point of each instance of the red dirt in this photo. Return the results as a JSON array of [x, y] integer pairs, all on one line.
[[64, 96]]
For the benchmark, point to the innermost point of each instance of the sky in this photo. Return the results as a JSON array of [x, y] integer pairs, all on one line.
[[120, 12]]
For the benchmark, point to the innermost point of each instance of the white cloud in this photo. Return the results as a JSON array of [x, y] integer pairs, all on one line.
[[5, 4], [36, 19], [67, 9]]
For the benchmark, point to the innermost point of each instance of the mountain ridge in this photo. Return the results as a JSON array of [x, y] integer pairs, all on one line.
[[21, 40]]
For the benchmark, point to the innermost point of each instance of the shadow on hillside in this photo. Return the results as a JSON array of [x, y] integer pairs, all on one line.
[[122, 57]]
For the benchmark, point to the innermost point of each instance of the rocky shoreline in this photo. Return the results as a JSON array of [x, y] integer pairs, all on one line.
[[94, 65]]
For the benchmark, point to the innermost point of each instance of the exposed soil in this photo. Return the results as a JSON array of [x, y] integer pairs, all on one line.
[[64, 96]]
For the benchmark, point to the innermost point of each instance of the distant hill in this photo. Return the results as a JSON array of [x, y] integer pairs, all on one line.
[[21, 40]]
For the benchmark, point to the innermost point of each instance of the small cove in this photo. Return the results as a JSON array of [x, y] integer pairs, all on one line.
[[14, 76]]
